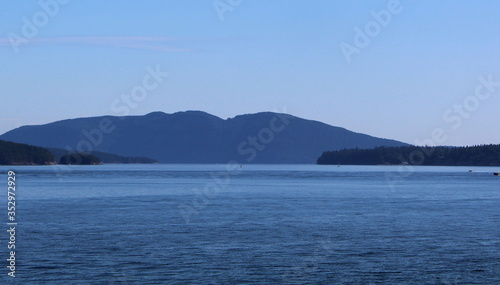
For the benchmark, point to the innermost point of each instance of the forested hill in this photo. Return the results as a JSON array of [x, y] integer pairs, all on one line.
[[483, 155], [23, 154], [199, 137], [107, 157]]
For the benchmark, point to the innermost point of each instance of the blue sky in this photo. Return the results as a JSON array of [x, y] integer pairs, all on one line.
[[413, 76]]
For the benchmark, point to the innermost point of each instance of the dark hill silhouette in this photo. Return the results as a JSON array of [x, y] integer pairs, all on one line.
[[481, 155], [23, 154], [106, 157], [198, 137]]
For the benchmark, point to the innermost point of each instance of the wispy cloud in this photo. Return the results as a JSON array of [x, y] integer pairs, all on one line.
[[9, 120], [164, 44]]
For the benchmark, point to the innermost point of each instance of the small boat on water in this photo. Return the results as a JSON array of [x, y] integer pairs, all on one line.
[[494, 173]]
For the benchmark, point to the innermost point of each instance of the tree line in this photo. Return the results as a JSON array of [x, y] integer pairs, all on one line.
[[22, 154], [480, 155]]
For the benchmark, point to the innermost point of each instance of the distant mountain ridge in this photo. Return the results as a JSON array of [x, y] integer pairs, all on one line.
[[199, 137]]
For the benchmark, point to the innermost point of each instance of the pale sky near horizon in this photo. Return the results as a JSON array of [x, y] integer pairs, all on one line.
[[415, 66]]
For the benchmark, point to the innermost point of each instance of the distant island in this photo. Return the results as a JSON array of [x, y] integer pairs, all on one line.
[[23, 154], [199, 137], [483, 155]]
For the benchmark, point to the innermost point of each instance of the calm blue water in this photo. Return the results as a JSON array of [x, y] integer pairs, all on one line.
[[260, 224]]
